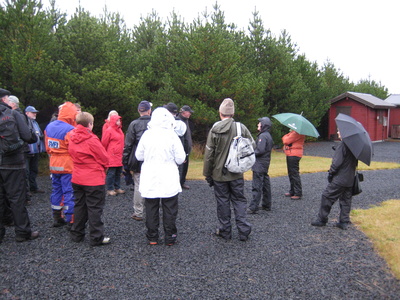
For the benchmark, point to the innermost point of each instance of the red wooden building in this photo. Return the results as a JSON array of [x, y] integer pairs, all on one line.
[[369, 110], [394, 116]]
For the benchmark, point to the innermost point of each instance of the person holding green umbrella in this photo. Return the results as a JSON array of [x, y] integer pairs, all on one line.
[[293, 143], [293, 146]]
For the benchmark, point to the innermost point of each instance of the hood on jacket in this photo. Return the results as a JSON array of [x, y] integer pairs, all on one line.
[[222, 126], [161, 118], [113, 121], [80, 134], [67, 113], [266, 124]]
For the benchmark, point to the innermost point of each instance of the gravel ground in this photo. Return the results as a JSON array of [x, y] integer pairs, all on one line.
[[285, 258]]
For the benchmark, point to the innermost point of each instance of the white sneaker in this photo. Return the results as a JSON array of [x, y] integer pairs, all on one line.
[[106, 240]]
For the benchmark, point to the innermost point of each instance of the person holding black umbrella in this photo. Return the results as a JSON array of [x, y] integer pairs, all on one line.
[[341, 179]]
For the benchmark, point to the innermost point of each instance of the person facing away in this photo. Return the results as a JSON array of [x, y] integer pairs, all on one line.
[[179, 125], [32, 159], [293, 143], [13, 102], [261, 186], [12, 169], [228, 187], [134, 133], [113, 142], [184, 115], [161, 152], [340, 182], [90, 160], [60, 163]]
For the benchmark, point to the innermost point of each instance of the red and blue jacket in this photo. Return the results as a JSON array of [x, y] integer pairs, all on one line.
[[57, 139]]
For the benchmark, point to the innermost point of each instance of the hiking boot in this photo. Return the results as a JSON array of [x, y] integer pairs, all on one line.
[[105, 241], [137, 218], [243, 238], [58, 219], [34, 235], [318, 223], [111, 193], [342, 226], [119, 191], [217, 233]]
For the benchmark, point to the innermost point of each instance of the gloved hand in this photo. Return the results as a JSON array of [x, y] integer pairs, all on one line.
[[330, 177], [210, 181]]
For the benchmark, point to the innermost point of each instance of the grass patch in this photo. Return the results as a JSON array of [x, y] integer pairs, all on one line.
[[382, 225], [308, 164]]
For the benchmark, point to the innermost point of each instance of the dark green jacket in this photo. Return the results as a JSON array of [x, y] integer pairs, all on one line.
[[217, 148]]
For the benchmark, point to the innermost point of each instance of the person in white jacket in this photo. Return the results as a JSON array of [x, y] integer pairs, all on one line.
[[161, 151]]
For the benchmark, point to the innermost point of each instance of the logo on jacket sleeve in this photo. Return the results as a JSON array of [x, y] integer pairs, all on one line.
[[53, 144]]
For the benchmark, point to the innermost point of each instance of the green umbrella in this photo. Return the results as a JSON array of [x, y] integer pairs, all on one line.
[[298, 123]]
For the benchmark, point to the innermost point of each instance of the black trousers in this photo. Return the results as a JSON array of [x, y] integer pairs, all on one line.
[[330, 195], [261, 190], [170, 212], [13, 187], [32, 169], [293, 169], [226, 193], [183, 169], [89, 205]]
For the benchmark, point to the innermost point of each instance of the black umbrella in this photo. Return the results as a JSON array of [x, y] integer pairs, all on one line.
[[355, 137]]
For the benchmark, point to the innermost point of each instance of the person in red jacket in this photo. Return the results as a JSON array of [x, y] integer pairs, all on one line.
[[107, 121], [113, 142], [90, 160], [293, 143]]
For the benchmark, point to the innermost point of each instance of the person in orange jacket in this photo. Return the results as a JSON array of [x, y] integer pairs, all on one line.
[[293, 143], [56, 141]]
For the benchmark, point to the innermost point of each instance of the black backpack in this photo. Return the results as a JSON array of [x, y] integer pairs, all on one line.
[[9, 135]]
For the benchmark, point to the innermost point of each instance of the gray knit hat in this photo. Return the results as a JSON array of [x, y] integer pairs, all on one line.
[[227, 107]]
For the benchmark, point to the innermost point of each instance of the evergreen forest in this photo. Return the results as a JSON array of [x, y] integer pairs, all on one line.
[[47, 58]]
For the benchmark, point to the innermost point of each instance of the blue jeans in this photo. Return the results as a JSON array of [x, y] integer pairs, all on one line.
[[113, 179]]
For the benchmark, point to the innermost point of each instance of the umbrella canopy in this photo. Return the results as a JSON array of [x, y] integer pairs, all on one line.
[[355, 137], [298, 123]]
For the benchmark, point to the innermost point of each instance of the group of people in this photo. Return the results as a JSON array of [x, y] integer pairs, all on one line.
[[155, 152]]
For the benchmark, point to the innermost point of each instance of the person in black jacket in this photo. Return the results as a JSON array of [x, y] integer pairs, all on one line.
[[261, 186], [184, 115], [341, 179], [13, 174], [132, 137]]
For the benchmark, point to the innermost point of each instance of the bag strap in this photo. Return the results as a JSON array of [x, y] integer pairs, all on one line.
[[238, 129]]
